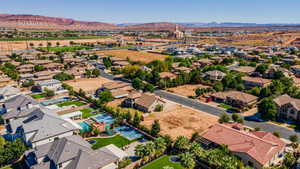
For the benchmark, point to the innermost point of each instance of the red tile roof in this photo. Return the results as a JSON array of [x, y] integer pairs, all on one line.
[[259, 145]]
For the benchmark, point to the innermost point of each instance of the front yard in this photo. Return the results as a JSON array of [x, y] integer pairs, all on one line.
[[118, 141], [163, 163], [69, 103]]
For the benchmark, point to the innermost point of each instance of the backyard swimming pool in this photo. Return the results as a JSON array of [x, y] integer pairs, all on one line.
[[107, 119], [129, 132], [85, 127]]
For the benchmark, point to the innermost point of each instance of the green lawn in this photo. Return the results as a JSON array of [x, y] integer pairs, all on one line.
[[68, 103], [86, 113], [54, 38], [225, 106], [38, 96], [64, 48], [118, 141], [163, 163]]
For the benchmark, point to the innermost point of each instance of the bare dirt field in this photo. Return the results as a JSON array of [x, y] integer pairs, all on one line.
[[186, 90], [89, 85], [7, 46], [140, 56], [177, 120]]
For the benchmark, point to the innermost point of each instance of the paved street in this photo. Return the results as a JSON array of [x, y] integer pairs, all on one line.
[[285, 133]]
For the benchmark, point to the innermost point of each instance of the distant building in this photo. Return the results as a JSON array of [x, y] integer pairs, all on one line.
[[215, 75], [51, 84]]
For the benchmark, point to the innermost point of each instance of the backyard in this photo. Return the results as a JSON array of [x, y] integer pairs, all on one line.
[[39, 96], [163, 163], [86, 113], [118, 141], [69, 103]]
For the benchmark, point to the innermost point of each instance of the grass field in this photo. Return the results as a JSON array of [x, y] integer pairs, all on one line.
[[118, 141], [64, 48], [54, 38], [86, 113], [38, 96], [137, 56], [163, 163], [69, 103], [225, 106]]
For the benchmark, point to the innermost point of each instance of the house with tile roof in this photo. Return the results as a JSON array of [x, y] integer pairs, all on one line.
[[256, 81], [235, 98], [255, 148], [73, 152], [288, 107]]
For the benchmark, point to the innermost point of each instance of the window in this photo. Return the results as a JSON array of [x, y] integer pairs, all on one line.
[[250, 163]]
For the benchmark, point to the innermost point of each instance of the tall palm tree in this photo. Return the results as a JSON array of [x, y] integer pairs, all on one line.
[[160, 146], [182, 144], [187, 160]]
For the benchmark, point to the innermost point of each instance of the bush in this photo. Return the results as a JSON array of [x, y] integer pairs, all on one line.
[[159, 108]]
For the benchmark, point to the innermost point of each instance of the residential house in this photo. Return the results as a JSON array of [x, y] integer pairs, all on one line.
[[244, 69], [215, 75], [256, 81], [118, 89], [143, 102], [7, 92], [235, 98], [51, 84], [4, 59], [4, 80], [37, 126], [288, 107], [18, 102], [296, 70], [53, 66], [73, 152], [41, 62], [26, 68], [26, 77], [77, 72], [257, 149], [164, 75], [44, 75]]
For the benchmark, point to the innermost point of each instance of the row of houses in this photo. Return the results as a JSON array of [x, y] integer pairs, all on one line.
[[54, 140]]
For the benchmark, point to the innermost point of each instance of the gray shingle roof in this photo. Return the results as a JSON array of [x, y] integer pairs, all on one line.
[[72, 148], [19, 101]]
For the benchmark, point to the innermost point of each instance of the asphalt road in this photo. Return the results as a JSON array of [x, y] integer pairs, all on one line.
[[285, 133]]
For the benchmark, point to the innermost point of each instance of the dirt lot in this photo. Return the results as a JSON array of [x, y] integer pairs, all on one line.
[[89, 85], [186, 90], [21, 45], [177, 120], [141, 56]]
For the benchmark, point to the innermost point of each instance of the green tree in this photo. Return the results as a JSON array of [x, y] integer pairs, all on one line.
[[159, 108], [267, 109], [155, 128], [293, 138], [136, 120], [138, 84], [63, 77], [262, 68], [96, 72], [38, 68], [277, 134], [105, 97], [49, 93], [224, 118], [181, 144], [289, 160], [187, 160], [218, 86]]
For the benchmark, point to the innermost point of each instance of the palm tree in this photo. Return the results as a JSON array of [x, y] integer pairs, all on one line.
[[160, 146], [197, 150], [187, 160], [181, 144]]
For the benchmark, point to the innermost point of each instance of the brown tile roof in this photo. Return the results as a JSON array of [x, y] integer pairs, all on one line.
[[285, 99], [245, 69], [256, 79], [236, 95], [115, 85], [146, 100], [259, 145], [119, 92]]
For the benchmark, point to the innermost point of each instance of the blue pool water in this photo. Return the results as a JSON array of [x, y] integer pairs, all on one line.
[[129, 132], [55, 101], [107, 119], [85, 127]]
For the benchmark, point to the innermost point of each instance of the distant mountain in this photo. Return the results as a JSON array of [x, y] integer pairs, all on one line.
[[44, 22], [57, 23]]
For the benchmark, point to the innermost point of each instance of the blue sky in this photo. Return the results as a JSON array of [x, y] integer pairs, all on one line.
[[138, 11]]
